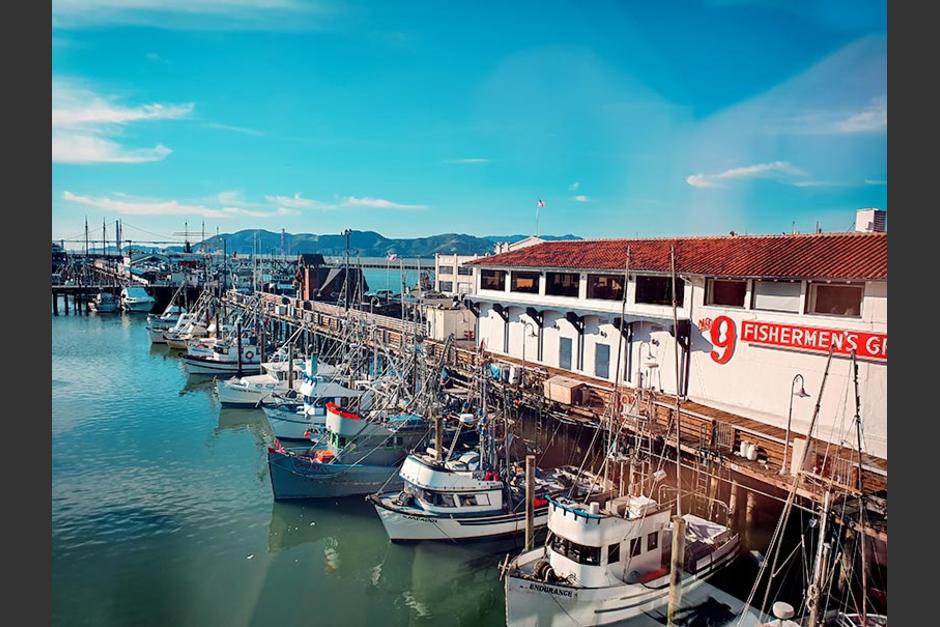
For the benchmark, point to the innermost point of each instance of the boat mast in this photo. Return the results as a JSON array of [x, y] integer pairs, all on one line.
[[812, 595], [861, 497], [675, 344]]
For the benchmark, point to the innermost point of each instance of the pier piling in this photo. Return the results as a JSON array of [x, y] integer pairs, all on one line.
[[749, 518], [55, 304]]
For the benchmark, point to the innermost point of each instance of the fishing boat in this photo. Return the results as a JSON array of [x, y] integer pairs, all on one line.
[[356, 456], [320, 384], [602, 566], [224, 358], [157, 325], [256, 390], [135, 299], [104, 302], [188, 327]]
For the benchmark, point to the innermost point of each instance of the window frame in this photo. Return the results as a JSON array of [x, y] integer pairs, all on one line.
[[448, 270], [549, 283], [636, 547], [754, 289], [498, 275], [525, 275], [613, 553], [811, 296], [654, 536], [445, 286], [463, 270], [710, 297], [680, 290], [619, 278]]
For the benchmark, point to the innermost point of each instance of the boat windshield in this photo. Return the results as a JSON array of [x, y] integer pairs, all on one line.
[[579, 553]]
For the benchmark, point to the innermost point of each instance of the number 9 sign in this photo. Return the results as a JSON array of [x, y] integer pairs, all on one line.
[[723, 336]]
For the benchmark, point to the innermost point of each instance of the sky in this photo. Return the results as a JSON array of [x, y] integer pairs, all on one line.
[[416, 118]]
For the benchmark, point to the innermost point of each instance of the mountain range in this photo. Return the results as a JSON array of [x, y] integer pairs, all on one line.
[[361, 243]]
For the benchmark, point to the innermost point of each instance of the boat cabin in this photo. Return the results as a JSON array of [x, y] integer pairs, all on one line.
[[457, 486], [602, 548]]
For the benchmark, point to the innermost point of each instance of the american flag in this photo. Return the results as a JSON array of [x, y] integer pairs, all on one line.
[[541, 204]]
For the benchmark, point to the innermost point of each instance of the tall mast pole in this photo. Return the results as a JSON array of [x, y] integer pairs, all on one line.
[[861, 498], [675, 344]]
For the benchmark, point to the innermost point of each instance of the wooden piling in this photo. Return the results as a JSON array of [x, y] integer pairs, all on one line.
[[529, 504], [749, 518], [675, 569], [55, 304], [65, 297], [733, 504]]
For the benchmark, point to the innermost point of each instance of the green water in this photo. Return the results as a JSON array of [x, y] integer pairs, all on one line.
[[162, 511]]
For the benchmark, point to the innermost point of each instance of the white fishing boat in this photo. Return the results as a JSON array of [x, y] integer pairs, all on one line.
[[189, 327], [104, 302], [135, 299], [256, 390], [157, 325], [610, 564], [224, 359], [319, 386]]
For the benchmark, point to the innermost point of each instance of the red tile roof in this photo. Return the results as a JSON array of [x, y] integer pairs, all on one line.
[[815, 256]]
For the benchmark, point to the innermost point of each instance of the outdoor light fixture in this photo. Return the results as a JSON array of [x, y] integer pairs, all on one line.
[[802, 393]]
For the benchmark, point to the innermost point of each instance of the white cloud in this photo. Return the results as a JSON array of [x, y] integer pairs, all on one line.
[[130, 205], [299, 202], [816, 184], [235, 129], [377, 203], [875, 182], [469, 160], [582, 198], [201, 14], [574, 186], [870, 120], [775, 169], [82, 121]]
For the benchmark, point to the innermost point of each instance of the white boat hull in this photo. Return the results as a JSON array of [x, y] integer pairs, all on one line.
[[138, 306], [254, 396], [412, 525], [103, 307], [219, 368], [294, 425], [536, 603]]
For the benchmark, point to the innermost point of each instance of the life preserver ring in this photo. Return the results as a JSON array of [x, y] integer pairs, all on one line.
[[249, 354]]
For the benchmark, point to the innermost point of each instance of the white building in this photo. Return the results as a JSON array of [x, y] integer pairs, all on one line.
[[452, 276], [753, 312]]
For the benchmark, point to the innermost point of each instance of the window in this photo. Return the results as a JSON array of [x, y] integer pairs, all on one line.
[[836, 300], [579, 553], [562, 283], [445, 269], [776, 296], [473, 500], [564, 353], [635, 547], [527, 282], [465, 270], [613, 553], [493, 280], [726, 292], [657, 290], [605, 286], [602, 360], [652, 541], [445, 286]]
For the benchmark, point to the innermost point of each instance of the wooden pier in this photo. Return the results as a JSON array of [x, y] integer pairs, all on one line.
[[709, 437]]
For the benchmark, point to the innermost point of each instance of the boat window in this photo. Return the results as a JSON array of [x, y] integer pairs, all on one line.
[[438, 499], [613, 553], [635, 547], [319, 402], [652, 541], [579, 553], [468, 500]]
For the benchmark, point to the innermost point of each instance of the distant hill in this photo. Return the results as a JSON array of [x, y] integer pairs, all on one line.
[[362, 243], [516, 238]]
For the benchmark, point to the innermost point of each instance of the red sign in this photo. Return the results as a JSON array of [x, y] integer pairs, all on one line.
[[724, 336], [866, 345]]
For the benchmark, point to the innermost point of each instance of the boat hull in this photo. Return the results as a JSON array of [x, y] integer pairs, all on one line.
[[408, 524], [218, 368], [137, 306], [238, 396], [536, 603], [299, 477], [293, 425], [103, 307]]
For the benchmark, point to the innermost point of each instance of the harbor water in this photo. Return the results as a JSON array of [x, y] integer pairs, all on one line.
[[162, 511]]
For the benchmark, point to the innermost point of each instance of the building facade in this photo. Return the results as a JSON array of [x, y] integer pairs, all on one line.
[[451, 274], [753, 312]]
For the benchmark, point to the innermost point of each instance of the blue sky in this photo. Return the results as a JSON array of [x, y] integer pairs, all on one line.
[[407, 118]]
